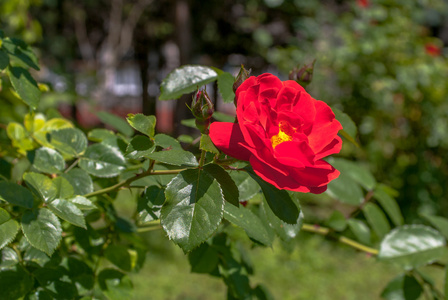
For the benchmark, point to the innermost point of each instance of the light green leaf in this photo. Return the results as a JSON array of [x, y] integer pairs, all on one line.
[[139, 147], [250, 222], [99, 135], [115, 122], [411, 246], [206, 144], [20, 138], [15, 283], [356, 172], [42, 229], [349, 127], [102, 161], [82, 202], [121, 256], [68, 211], [376, 219], [193, 208], [337, 221], [389, 205], [176, 157], [42, 134], [80, 181], [225, 86], [189, 123], [115, 285], [150, 203], [346, 190], [142, 123], [41, 185], [25, 85], [166, 142], [184, 80], [247, 186], [69, 141], [228, 186], [445, 286], [4, 216], [8, 257], [360, 230], [440, 223], [64, 189], [8, 231], [221, 117], [16, 194], [47, 160]]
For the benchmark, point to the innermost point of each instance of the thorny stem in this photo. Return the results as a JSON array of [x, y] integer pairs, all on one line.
[[132, 179]]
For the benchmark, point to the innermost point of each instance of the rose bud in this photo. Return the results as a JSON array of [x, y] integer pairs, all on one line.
[[283, 133], [202, 109], [304, 75], [240, 78]]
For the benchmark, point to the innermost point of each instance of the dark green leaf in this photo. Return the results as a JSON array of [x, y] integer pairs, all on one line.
[[376, 219], [19, 49], [228, 187], [389, 205], [47, 160], [247, 186], [349, 128], [440, 223], [206, 144], [4, 59], [166, 142], [102, 161], [69, 141], [250, 222], [115, 122], [150, 203], [337, 221], [41, 185], [176, 157], [279, 201], [80, 181], [346, 190], [40, 295], [262, 293], [68, 211], [25, 85], [15, 283], [356, 172], [140, 146], [142, 123], [16, 194], [115, 285], [121, 257], [403, 287], [64, 189], [184, 80], [193, 208], [284, 230], [42, 229], [8, 230], [203, 259], [82, 202], [411, 246], [225, 86], [99, 135], [360, 230]]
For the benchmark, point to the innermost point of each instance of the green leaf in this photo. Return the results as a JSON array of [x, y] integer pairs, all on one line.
[[403, 287], [360, 230], [279, 201], [140, 146], [356, 172], [193, 208], [346, 190], [389, 205], [4, 59], [99, 135], [150, 203], [176, 157], [8, 230], [68, 211], [250, 222], [121, 257], [115, 122], [284, 230], [25, 85], [64, 189], [20, 138], [440, 223], [80, 181], [189, 123], [445, 286], [184, 80], [41, 185], [349, 128], [16, 194], [166, 142], [82, 202], [42, 229], [221, 117], [8, 258], [204, 259], [225, 86], [15, 283], [376, 219], [36, 256], [206, 144], [43, 134], [20, 50], [142, 123], [47, 160], [337, 221], [69, 141], [411, 246], [247, 186], [4, 216], [228, 186], [102, 161], [115, 285]]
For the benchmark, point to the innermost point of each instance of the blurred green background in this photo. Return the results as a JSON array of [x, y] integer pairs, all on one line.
[[383, 62]]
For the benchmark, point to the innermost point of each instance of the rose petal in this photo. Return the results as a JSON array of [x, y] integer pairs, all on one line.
[[293, 84], [285, 99], [245, 85], [269, 81], [316, 176], [229, 139], [332, 148], [294, 154]]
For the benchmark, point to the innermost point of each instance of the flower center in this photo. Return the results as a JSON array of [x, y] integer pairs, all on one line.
[[285, 132]]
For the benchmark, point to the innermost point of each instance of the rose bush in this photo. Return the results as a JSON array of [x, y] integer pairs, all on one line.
[[283, 132]]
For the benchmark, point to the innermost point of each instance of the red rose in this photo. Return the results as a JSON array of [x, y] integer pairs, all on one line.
[[283, 132], [432, 50]]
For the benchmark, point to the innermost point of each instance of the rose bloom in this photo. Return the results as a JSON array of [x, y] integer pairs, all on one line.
[[432, 50], [283, 132]]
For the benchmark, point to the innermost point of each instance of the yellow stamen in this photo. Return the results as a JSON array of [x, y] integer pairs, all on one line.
[[280, 138]]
